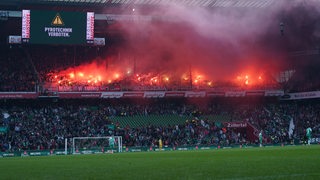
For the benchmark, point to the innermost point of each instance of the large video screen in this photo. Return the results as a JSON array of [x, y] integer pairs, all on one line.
[[55, 27]]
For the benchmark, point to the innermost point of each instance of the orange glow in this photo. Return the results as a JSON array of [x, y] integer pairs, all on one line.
[[116, 75], [80, 74], [250, 78], [154, 80], [95, 74], [71, 75], [185, 77]]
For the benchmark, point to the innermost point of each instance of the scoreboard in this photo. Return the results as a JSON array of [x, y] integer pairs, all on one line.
[[55, 27]]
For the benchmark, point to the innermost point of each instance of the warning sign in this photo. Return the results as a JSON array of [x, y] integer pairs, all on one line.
[[57, 21], [57, 27], [58, 31]]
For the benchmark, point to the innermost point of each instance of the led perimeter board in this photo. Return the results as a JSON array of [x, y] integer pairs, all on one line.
[[53, 27]]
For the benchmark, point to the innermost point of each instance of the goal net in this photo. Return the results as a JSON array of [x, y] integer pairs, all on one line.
[[93, 145]]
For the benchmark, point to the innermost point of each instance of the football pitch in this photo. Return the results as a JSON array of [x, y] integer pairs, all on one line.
[[290, 162]]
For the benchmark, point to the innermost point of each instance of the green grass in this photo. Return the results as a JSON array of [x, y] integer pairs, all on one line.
[[292, 162]]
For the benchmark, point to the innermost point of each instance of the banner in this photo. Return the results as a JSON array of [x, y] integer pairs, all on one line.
[[133, 94], [154, 94], [304, 95], [315, 140], [214, 94], [138, 149], [18, 95], [252, 133], [111, 94], [90, 28], [26, 24], [14, 39], [9, 155], [255, 93], [4, 15], [235, 93], [274, 93], [175, 94], [195, 94], [95, 92], [235, 124], [71, 95], [99, 41]]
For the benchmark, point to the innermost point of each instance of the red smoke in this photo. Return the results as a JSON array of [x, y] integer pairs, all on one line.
[[197, 45]]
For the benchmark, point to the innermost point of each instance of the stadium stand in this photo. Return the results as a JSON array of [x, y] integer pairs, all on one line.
[[33, 126], [186, 111], [17, 74]]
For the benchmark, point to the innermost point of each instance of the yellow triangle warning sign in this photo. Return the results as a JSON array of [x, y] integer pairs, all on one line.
[[57, 20]]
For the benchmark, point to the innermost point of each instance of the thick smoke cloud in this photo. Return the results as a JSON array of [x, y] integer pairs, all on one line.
[[221, 43]]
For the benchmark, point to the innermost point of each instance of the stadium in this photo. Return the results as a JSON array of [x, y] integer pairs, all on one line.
[[159, 89]]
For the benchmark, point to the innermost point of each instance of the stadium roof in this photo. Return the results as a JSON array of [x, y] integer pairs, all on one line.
[[108, 3]]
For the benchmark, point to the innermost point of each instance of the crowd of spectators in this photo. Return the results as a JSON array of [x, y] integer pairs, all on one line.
[[16, 72], [38, 68], [305, 77], [29, 68], [49, 60], [39, 127], [43, 125], [27, 126]]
